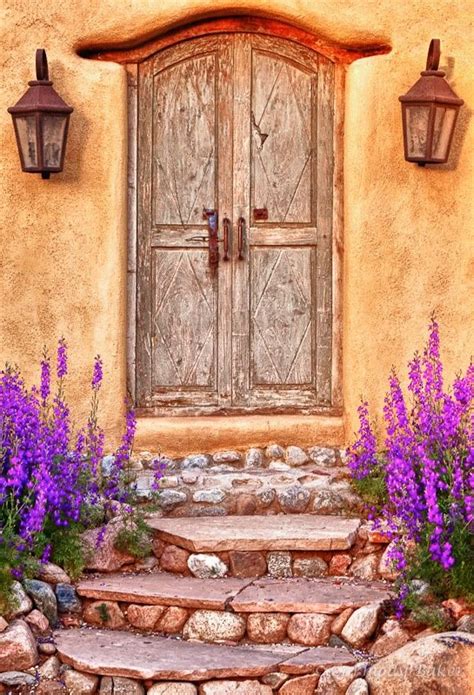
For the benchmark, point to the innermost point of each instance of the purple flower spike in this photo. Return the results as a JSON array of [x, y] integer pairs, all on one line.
[[97, 374], [45, 387], [61, 359]]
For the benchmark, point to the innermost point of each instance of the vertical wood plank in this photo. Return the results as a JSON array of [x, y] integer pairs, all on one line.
[[224, 183], [132, 97], [241, 208], [325, 183], [144, 285], [338, 235]]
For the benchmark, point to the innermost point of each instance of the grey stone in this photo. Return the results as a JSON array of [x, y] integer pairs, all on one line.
[[16, 678], [125, 686], [215, 626], [422, 590], [227, 457], [334, 500], [275, 679], [274, 451], [190, 477], [278, 466], [43, 598], [466, 623], [50, 668], [295, 456], [206, 511], [107, 465], [254, 458], [170, 688], [365, 567], [212, 496], [322, 456], [266, 496], [294, 498], [361, 624], [207, 566], [279, 564], [311, 567], [441, 664], [78, 683], [358, 687], [196, 461], [67, 598], [336, 680], [169, 499], [20, 601]]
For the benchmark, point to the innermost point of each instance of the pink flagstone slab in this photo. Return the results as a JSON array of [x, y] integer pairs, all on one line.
[[300, 595], [111, 653], [272, 532], [164, 590]]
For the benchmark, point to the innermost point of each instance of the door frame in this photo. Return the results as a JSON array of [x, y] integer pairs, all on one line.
[[341, 57]]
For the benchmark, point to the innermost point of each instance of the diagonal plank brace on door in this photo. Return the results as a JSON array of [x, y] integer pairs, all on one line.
[[212, 237]]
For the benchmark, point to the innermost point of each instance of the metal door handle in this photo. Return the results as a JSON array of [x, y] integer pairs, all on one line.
[[212, 223], [240, 237], [226, 228]]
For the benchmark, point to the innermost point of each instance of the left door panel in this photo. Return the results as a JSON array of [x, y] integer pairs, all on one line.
[[181, 326]]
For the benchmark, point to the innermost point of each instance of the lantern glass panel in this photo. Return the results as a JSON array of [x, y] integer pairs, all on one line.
[[54, 127], [443, 127], [26, 131], [417, 119]]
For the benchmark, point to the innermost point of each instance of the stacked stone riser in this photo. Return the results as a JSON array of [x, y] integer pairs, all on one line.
[[278, 480], [231, 627], [366, 559]]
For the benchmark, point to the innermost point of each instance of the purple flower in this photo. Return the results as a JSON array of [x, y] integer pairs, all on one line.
[[61, 359], [45, 387], [428, 458], [97, 374]]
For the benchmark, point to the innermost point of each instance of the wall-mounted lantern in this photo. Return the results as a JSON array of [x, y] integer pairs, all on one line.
[[429, 111], [41, 120]]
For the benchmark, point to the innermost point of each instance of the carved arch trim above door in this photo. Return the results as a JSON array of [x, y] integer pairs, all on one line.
[[274, 375]]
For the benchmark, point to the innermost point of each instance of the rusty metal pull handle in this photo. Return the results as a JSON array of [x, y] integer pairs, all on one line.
[[212, 223], [240, 237], [226, 228]]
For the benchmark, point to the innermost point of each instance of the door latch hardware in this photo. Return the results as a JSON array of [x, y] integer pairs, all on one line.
[[260, 214], [212, 223]]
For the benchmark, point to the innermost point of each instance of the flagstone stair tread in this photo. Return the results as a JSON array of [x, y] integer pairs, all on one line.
[[115, 653], [271, 532], [163, 589], [300, 595], [296, 595]]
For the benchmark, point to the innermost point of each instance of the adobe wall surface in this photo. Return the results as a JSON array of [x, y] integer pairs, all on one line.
[[407, 230]]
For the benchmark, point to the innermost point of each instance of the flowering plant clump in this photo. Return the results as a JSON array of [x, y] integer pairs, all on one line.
[[51, 481], [421, 484]]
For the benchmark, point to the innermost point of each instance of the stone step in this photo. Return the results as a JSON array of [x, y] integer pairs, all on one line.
[[304, 532], [152, 658], [296, 595], [264, 611]]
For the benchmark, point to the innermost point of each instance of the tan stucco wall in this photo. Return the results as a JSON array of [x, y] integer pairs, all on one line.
[[407, 230]]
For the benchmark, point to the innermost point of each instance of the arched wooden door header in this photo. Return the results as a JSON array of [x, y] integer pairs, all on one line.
[[335, 52]]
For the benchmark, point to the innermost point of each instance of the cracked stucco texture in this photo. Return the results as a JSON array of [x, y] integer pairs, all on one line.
[[407, 230]]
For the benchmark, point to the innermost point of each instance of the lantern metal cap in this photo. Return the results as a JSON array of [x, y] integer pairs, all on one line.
[[40, 96], [432, 87]]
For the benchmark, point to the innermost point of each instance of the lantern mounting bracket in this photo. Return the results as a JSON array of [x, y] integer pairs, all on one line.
[[42, 72], [434, 54]]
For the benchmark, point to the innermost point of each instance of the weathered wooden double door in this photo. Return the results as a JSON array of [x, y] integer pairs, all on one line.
[[240, 124]]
